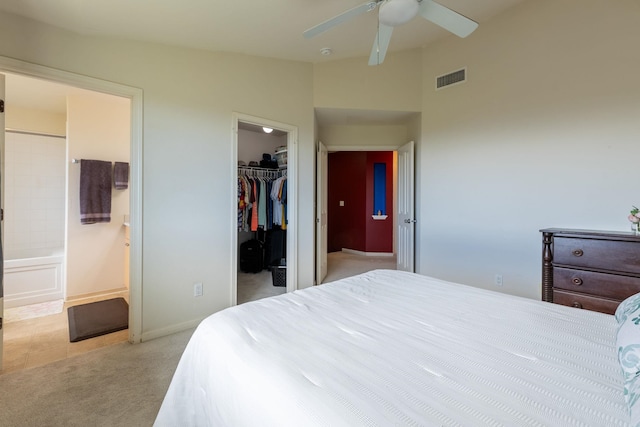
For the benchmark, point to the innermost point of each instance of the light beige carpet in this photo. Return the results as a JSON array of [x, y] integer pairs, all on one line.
[[124, 384], [345, 264], [121, 385], [254, 286]]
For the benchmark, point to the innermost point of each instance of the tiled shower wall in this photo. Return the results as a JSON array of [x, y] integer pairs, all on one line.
[[34, 199]]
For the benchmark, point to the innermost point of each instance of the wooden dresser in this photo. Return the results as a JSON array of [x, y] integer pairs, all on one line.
[[594, 270]]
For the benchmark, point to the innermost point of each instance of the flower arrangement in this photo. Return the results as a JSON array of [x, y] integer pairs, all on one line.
[[634, 217]]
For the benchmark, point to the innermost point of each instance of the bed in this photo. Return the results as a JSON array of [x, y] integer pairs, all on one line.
[[390, 348]]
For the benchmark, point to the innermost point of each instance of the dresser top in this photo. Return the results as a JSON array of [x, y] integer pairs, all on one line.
[[594, 234]]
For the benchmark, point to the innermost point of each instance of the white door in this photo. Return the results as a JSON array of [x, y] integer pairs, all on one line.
[[406, 219], [1, 211], [322, 161]]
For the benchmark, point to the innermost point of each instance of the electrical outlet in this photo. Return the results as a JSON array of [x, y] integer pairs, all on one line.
[[197, 289], [498, 280]]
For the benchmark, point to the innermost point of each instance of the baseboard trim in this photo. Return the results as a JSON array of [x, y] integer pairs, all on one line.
[[361, 253], [158, 333]]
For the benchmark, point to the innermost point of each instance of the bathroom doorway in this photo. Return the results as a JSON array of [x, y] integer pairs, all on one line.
[[41, 117]]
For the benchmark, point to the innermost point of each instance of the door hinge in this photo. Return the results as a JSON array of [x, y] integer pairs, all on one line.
[[1, 105], [0, 323]]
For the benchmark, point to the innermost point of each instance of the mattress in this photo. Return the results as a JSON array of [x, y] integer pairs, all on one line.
[[390, 348]]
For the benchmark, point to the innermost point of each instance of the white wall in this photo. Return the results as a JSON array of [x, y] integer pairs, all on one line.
[[251, 145], [35, 210], [395, 85], [545, 133], [99, 129], [189, 100], [34, 120], [364, 135], [34, 195]]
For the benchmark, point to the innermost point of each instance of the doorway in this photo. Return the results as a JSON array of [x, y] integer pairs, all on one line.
[[134, 101], [273, 233], [354, 262]]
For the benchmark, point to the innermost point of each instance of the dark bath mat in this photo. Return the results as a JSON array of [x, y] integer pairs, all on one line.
[[97, 318]]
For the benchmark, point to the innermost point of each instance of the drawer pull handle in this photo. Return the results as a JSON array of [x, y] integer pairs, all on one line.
[[577, 252], [577, 281], [577, 305]]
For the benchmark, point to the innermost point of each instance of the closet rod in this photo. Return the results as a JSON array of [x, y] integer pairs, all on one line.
[[24, 132], [258, 171]]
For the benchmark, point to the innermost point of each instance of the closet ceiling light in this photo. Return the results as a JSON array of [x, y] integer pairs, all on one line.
[[267, 130]]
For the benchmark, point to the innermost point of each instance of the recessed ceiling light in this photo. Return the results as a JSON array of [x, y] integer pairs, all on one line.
[[326, 51]]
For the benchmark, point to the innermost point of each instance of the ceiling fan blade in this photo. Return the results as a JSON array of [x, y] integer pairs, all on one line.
[[452, 21], [380, 44], [343, 17]]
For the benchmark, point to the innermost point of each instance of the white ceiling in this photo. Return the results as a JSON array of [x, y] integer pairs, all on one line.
[[255, 27], [262, 28]]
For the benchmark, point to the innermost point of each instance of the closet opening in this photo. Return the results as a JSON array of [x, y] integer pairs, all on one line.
[[263, 209]]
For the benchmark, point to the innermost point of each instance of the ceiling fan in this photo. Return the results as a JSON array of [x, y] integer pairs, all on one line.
[[392, 13]]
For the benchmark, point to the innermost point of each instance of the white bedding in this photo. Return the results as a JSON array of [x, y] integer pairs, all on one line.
[[389, 348]]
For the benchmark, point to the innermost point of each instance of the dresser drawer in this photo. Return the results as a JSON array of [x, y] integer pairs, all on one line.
[[599, 284], [610, 255], [584, 301]]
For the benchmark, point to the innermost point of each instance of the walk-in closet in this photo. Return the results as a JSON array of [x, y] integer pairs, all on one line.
[[262, 212]]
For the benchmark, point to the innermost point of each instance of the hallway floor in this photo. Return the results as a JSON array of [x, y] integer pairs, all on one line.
[[42, 340], [346, 264], [254, 286]]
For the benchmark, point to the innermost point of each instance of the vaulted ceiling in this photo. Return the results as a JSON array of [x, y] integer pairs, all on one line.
[[262, 28], [256, 27]]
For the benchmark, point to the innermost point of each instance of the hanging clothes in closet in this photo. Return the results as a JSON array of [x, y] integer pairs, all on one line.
[[262, 198], [279, 198]]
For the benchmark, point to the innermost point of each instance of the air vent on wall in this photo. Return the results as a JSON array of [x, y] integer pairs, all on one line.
[[449, 79]]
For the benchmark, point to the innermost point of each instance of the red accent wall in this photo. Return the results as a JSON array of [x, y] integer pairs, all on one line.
[[350, 179], [346, 226]]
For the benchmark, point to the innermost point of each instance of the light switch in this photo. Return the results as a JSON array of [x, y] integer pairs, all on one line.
[[341, 202]]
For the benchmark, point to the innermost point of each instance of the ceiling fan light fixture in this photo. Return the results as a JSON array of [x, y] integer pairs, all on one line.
[[397, 12]]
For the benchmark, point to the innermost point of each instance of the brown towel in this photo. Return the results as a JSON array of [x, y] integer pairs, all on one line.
[[121, 175], [95, 191]]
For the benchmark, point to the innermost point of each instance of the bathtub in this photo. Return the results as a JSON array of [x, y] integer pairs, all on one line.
[[33, 279]]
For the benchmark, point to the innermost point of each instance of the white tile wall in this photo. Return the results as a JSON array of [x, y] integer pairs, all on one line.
[[34, 195]]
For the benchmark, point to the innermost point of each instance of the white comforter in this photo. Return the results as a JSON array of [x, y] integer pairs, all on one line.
[[389, 348]]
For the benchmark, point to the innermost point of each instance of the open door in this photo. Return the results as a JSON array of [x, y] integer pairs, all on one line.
[[2, 127], [322, 172], [406, 219]]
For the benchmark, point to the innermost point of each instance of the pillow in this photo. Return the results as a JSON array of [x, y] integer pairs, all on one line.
[[631, 394], [626, 307], [628, 344]]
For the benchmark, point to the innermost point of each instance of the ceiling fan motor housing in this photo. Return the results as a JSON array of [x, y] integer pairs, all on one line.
[[397, 12]]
